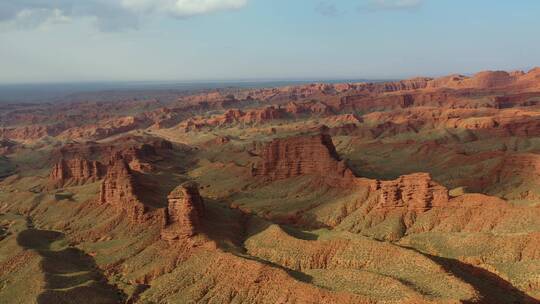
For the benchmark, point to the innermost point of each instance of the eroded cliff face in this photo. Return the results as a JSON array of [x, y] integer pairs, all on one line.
[[76, 171], [404, 85], [414, 192], [232, 116], [256, 116], [487, 121], [119, 189], [104, 128], [298, 156], [138, 157], [184, 211], [414, 203], [389, 206], [31, 132]]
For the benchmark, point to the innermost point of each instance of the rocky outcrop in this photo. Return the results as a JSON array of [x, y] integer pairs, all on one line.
[[32, 132], [141, 155], [343, 119], [119, 189], [262, 115], [414, 192], [184, 210], [298, 156], [76, 171], [137, 157], [233, 116], [256, 116], [488, 80], [105, 128], [404, 85]]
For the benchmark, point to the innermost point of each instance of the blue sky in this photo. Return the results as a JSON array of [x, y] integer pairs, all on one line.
[[130, 40]]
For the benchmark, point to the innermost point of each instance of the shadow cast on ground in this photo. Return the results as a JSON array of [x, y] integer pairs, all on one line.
[[71, 276], [491, 288]]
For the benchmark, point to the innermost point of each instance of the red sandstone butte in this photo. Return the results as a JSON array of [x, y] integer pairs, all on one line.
[[413, 192], [184, 210], [298, 156], [119, 190], [76, 171]]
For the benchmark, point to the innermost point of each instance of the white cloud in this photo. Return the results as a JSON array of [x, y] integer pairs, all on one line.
[[109, 14], [31, 18], [182, 8]]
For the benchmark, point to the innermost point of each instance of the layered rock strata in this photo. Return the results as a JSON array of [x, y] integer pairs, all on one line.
[[298, 156], [414, 192], [76, 171], [119, 189], [184, 211]]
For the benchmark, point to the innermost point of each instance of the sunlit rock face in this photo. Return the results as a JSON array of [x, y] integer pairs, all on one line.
[[184, 210], [298, 156]]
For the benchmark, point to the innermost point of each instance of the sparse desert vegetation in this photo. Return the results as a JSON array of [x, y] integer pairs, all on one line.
[[418, 191]]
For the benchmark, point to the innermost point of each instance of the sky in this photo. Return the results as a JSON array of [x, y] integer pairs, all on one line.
[[48, 41]]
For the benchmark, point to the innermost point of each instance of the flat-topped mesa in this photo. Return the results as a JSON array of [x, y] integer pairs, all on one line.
[[234, 116], [403, 85], [105, 128], [304, 155], [184, 211], [414, 192], [76, 171], [139, 157], [119, 190], [481, 80]]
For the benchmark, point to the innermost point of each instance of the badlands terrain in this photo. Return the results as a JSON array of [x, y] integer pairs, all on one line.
[[415, 191]]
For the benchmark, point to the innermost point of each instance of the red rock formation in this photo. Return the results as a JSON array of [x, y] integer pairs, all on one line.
[[163, 118], [488, 80], [140, 155], [343, 119], [105, 128], [516, 100], [233, 116], [404, 85], [119, 189], [136, 157], [501, 123], [31, 132], [294, 108], [297, 156], [262, 115], [76, 171], [184, 211], [414, 192]]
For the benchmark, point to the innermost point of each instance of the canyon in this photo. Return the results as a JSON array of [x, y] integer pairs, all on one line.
[[424, 190]]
